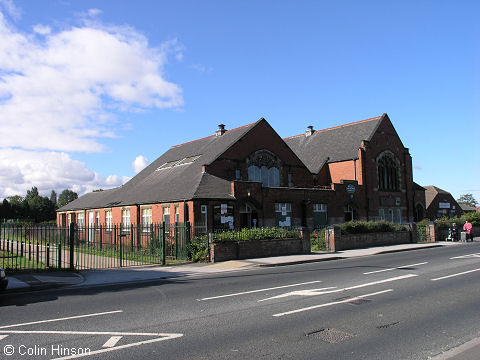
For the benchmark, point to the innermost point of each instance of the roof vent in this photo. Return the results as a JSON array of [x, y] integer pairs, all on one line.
[[309, 131], [221, 130]]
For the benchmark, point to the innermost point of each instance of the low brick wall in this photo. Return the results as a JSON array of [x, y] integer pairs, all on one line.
[[232, 250], [443, 233], [336, 241]]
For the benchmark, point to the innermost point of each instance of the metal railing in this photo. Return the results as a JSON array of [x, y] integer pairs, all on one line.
[[33, 247]]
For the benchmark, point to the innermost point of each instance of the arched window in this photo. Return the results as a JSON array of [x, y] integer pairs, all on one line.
[[264, 167], [388, 172]]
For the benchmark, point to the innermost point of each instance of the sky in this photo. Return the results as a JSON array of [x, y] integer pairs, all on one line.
[[93, 91]]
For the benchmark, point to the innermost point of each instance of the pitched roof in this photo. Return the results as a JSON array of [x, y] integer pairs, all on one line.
[[338, 143], [467, 207], [431, 192], [175, 176]]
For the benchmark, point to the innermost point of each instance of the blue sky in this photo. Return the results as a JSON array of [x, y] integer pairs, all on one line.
[[130, 79]]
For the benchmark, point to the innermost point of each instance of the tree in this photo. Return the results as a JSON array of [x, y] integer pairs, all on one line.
[[467, 199], [65, 197], [53, 198]]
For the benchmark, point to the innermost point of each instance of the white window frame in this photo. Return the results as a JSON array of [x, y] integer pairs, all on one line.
[[146, 219], [80, 220], [126, 220], [108, 220]]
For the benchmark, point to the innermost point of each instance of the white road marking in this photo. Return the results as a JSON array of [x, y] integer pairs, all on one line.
[[68, 332], [395, 268], [332, 303], [466, 256], [167, 337], [61, 319], [3, 337], [259, 290], [322, 292], [112, 341], [457, 274]]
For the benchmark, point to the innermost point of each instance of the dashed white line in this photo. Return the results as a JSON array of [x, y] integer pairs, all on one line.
[[61, 319], [3, 337], [457, 274], [332, 303], [476, 255], [112, 341], [395, 268], [259, 290]]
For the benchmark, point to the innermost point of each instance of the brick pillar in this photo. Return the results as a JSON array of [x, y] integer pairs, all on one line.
[[432, 232], [332, 236]]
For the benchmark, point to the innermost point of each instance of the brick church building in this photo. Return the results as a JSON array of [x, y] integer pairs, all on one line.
[[251, 177]]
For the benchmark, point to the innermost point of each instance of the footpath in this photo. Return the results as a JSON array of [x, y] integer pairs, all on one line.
[[150, 273]]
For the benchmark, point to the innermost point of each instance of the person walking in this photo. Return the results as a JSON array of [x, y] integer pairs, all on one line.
[[468, 229]]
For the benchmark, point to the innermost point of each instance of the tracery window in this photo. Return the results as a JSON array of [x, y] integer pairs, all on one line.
[[264, 167], [388, 172]]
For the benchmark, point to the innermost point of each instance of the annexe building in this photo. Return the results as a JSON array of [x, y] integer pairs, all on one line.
[[251, 177]]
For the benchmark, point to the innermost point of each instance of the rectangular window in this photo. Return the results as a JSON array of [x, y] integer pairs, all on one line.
[[166, 215], [391, 215], [80, 222], [283, 214], [108, 220], [290, 179], [202, 226], [126, 220], [146, 219], [177, 214], [237, 174], [223, 217], [319, 215], [97, 219]]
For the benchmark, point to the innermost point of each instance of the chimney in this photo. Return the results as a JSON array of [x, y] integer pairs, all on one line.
[[309, 131], [221, 130]]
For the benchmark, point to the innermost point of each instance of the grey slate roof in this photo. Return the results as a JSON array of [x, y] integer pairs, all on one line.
[[177, 183], [339, 143]]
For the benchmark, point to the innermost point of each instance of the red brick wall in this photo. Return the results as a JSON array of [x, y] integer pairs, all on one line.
[[343, 170]]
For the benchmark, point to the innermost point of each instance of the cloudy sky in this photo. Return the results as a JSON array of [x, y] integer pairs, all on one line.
[[92, 91]]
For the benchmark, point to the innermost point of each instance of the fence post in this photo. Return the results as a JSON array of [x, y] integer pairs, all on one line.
[[120, 252], [60, 256], [72, 245], [163, 244]]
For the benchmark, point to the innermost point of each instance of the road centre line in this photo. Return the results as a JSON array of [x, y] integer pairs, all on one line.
[[315, 292], [466, 256], [332, 303], [112, 341], [457, 274], [259, 290], [61, 319], [395, 268]]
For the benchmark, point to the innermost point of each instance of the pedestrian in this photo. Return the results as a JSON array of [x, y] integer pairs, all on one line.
[[468, 229], [453, 232]]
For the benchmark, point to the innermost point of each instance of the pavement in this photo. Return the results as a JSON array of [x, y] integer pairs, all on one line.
[[145, 274]]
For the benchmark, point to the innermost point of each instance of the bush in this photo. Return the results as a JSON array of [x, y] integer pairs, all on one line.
[[198, 249], [317, 240], [362, 227], [254, 234]]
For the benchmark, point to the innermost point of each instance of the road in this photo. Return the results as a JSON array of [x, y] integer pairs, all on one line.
[[408, 305]]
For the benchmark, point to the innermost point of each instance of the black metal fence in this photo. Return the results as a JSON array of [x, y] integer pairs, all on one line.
[[50, 247]]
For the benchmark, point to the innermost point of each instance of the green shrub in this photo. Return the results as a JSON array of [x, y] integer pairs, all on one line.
[[254, 234], [198, 249], [317, 240], [362, 227]]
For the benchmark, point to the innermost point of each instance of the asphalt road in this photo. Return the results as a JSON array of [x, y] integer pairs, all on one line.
[[408, 305]]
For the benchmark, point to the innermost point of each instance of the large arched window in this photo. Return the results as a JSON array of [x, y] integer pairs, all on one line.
[[264, 167], [388, 172]]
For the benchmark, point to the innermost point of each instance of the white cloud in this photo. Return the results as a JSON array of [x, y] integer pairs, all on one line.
[[139, 163], [42, 29], [11, 9], [20, 170], [416, 166], [61, 92], [69, 82]]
